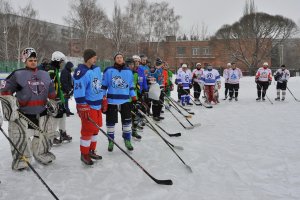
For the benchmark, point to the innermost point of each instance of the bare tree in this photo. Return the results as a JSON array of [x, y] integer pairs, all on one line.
[[5, 10], [250, 39], [249, 7], [88, 17], [199, 33]]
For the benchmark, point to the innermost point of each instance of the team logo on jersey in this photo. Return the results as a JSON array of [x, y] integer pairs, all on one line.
[[209, 76], [36, 85], [187, 78], [233, 76], [118, 82], [3, 84], [264, 75], [96, 85]]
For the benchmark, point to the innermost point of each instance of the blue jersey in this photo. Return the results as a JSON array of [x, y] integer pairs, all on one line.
[[157, 74], [146, 69], [87, 86], [118, 85], [142, 80]]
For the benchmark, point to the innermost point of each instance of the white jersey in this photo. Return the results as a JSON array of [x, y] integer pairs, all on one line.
[[234, 76], [197, 73], [210, 77], [263, 74], [282, 75], [184, 78], [225, 74]]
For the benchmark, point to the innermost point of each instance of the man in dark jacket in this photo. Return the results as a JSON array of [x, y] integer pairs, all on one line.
[[67, 85]]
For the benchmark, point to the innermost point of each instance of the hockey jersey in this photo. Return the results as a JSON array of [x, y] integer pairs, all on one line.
[[87, 86], [282, 75], [234, 75], [225, 74], [32, 88], [184, 78], [210, 77], [197, 73], [118, 85], [263, 74]]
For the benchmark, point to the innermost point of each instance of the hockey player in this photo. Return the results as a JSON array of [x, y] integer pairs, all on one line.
[[263, 79], [282, 76], [118, 87], [156, 76], [178, 89], [225, 76], [197, 73], [25, 91], [167, 81], [57, 61], [184, 81], [233, 80], [210, 79], [88, 95]]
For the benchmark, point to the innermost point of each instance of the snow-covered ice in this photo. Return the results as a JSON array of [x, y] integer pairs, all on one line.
[[244, 150]]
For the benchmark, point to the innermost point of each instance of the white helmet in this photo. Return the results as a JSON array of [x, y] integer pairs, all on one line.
[[136, 58], [266, 64], [228, 64], [198, 64], [58, 56], [27, 53], [184, 66]]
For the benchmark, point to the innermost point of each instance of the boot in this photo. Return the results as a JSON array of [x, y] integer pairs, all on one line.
[[64, 136], [94, 156], [258, 99], [136, 135], [128, 145], [57, 141], [110, 146], [86, 159], [230, 98], [236, 99], [277, 99]]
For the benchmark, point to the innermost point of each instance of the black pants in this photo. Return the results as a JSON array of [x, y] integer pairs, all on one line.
[[197, 90], [262, 87], [281, 86], [226, 89], [112, 113], [234, 89]]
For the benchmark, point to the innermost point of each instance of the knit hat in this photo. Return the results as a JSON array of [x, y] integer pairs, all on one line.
[[118, 53], [88, 54]]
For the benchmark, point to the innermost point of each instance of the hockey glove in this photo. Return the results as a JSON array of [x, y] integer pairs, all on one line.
[[191, 86], [172, 87], [104, 104], [83, 110]]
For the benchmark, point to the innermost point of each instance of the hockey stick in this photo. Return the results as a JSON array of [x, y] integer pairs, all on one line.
[[185, 127], [161, 182], [261, 88], [169, 134], [176, 105], [29, 165], [155, 130], [200, 103], [178, 110], [150, 124], [293, 95]]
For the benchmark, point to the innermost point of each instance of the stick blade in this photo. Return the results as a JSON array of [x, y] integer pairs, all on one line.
[[196, 125], [178, 147], [189, 127], [164, 182], [189, 168], [175, 135]]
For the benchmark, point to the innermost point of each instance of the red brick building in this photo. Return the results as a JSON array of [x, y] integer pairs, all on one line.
[[191, 52]]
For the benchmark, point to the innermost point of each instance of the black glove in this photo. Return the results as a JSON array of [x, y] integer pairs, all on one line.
[[256, 80], [191, 85]]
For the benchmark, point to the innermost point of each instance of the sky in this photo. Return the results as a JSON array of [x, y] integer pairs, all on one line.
[[213, 13]]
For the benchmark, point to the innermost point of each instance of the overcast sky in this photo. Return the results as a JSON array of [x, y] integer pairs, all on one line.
[[214, 13]]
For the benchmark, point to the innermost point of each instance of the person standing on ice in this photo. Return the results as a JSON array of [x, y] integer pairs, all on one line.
[[197, 73], [225, 76], [184, 81], [88, 96], [57, 61], [282, 76], [118, 87], [263, 79], [26, 91], [210, 79], [234, 75]]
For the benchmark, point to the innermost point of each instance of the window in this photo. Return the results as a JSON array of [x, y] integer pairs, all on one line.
[[206, 51], [181, 51], [195, 51]]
